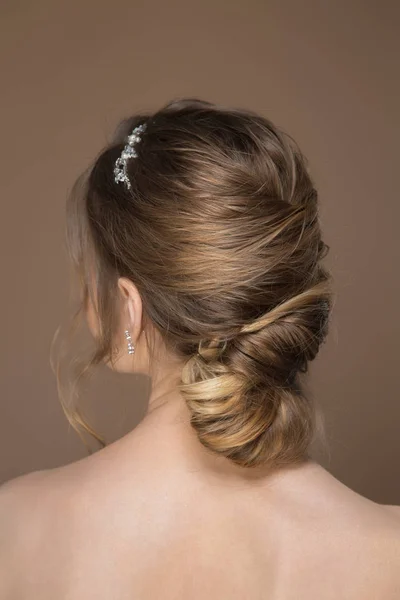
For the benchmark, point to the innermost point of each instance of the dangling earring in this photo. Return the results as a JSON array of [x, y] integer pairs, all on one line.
[[131, 347]]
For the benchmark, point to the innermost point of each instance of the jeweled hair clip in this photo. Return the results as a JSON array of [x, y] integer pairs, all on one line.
[[120, 168]]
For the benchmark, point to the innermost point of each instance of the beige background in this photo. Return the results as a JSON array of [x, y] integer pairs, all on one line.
[[325, 71]]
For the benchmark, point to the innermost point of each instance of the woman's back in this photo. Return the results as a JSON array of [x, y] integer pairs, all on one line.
[[195, 236], [155, 516]]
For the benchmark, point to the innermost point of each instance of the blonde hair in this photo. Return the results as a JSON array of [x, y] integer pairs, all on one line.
[[220, 233]]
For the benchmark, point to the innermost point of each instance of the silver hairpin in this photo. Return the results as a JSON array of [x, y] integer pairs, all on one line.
[[120, 172]]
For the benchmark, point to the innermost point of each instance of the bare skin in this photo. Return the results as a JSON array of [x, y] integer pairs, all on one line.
[[157, 516]]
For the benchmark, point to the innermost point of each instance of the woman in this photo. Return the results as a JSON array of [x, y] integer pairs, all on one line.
[[197, 240]]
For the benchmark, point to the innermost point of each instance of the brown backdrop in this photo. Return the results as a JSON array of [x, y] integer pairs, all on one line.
[[325, 71]]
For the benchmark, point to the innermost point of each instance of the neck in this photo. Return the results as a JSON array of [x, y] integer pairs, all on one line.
[[164, 387], [168, 421]]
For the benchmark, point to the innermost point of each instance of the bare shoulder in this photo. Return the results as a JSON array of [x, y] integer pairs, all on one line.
[[380, 521], [27, 497], [43, 504], [391, 528], [23, 502], [393, 509], [20, 497], [30, 501], [386, 547], [392, 522], [20, 510], [376, 532], [31, 508], [388, 515], [72, 515]]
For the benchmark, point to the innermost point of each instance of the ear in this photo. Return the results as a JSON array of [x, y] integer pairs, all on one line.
[[132, 306]]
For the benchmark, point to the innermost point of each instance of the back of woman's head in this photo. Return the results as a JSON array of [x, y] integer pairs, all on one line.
[[218, 229]]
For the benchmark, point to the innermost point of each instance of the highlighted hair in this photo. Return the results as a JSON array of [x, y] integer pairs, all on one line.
[[219, 231]]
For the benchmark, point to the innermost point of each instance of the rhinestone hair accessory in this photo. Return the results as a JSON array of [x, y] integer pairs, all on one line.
[[120, 172]]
